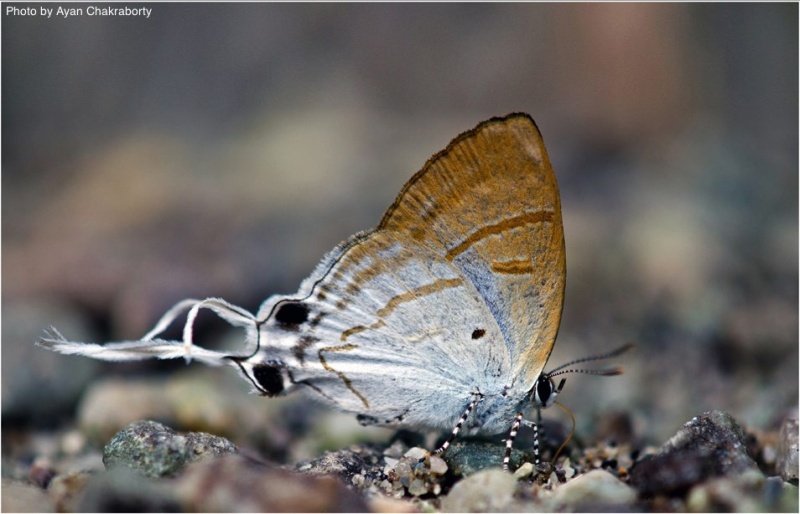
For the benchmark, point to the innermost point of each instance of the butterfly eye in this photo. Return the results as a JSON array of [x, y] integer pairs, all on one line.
[[478, 333], [268, 378], [544, 392], [291, 314]]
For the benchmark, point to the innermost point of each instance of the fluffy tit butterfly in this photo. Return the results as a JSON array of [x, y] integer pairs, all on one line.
[[444, 314]]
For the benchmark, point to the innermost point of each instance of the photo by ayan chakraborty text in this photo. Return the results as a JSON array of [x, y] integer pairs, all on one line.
[[69, 12]]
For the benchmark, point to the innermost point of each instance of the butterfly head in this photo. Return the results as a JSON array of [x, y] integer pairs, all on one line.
[[544, 391]]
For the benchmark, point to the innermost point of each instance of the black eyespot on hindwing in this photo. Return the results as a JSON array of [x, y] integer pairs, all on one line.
[[291, 313], [269, 378], [478, 333]]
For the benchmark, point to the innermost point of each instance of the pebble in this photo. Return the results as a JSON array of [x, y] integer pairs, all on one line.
[[18, 496], [524, 471], [489, 490], [709, 445], [65, 489], [438, 465], [415, 472], [233, 483], [357, 466], [596, 490], [467, 458], [156, 450]]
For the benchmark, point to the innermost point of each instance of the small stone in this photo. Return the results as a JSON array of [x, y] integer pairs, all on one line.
[[358, 466], [396, 450], [403, 471], [41, 472], [438, 465], [65, 489], [490, 490], [416, 453], [788, 452], [466, 458], [416, 472], [155, 450], [390, 464], [710, 445], [417, 487], [524, 471], [569, 471], [21, 497], [235, 484], [596, 490]]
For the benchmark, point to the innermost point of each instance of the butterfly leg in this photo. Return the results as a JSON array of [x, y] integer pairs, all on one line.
[[535, 426], [475, 399], [510, 441]]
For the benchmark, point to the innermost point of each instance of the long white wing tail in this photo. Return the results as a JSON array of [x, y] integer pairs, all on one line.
[[150, 347]]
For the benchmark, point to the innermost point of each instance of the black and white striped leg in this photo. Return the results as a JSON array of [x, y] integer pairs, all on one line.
[[535, 427], [510, 441], [457, 428]]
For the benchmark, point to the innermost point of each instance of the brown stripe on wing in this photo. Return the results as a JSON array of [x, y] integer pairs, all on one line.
[[347, 382], [413, 294], [518, 267], [360, 328], [394, 302], [527, 218]]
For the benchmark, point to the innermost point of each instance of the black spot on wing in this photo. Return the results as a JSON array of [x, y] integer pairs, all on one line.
[[291, 314], [269, 378], [478, 333]]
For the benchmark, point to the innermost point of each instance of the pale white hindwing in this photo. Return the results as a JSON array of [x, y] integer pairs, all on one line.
[[390, 331]]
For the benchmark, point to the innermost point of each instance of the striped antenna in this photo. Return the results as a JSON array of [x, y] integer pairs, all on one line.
[[601, 372]]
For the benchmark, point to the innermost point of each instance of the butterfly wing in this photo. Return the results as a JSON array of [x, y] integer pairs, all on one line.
[[489, 204], [459, 289]]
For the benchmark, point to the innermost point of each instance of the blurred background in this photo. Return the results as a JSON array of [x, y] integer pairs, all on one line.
[[221, 150]]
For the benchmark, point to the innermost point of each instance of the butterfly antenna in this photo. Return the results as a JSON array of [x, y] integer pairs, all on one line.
[[571, 433], [603, 372]]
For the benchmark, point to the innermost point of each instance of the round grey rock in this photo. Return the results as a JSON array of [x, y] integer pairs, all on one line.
[[155, 450]]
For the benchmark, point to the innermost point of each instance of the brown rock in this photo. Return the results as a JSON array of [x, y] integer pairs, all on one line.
[[236, 484]]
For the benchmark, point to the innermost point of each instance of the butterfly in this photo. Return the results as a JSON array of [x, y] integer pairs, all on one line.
[[443, 316]]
